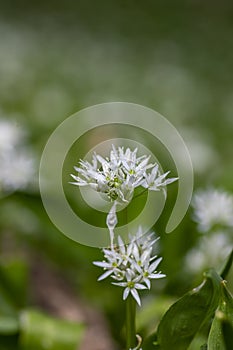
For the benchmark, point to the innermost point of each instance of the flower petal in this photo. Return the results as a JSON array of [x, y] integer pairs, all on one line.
[[135, 295]]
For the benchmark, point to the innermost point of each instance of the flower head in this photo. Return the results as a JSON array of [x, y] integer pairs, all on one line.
[[132, 266], [211, 208], [118, 175]]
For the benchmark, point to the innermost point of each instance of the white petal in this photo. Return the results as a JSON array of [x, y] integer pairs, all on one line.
[[154, 265], [120, 284], [171, 180], [147, 281], [126, 293], [157, 275], [136, 296], [103, 264], [139, 286], [105, 275]]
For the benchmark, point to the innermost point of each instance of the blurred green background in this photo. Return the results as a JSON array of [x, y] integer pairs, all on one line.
[[57, 57]]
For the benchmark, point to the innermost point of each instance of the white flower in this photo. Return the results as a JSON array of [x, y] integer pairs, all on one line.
[[211, 251], [147, 271], [10, 135], [155, 181], [119, 175], [132, 266], [131, 285], [211, 208], [17, 170], [17, 164]]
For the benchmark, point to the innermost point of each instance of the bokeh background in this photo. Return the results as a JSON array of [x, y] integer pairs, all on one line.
[[57, 57]]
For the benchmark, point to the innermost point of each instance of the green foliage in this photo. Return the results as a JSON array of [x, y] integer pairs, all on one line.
[[221, 334], [193, 312], [184, 318]]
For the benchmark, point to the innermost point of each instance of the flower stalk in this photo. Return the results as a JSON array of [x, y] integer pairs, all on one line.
[[130, 323], [131, 266]]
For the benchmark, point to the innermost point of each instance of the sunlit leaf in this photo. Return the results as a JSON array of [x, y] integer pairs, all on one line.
[[184, 318]]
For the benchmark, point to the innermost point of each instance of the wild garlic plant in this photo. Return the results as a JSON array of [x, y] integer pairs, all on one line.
[[131, 266]]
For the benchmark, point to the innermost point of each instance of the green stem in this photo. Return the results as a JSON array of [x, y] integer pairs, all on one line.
[[130, 323]]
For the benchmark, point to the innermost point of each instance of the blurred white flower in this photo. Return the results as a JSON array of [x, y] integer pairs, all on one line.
[[213, 208], [132, 266], [118, 175], [17, 168], [211, 251], [10, 135]]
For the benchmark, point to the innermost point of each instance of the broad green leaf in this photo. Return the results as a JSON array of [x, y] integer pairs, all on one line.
[[39, 331], [184, 318], [220, 337]]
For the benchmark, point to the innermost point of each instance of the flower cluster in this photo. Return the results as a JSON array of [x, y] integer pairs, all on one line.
[[133, 266], [118, 175], [213, 208]]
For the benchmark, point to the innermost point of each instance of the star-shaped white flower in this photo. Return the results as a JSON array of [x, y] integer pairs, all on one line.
[[131, 285]]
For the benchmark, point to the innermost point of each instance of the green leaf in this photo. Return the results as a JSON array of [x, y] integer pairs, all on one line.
[[39, 332], [227, 266], [184, 318], [220, 337]]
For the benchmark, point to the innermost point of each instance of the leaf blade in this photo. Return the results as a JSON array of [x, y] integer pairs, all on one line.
[[184, 318]]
